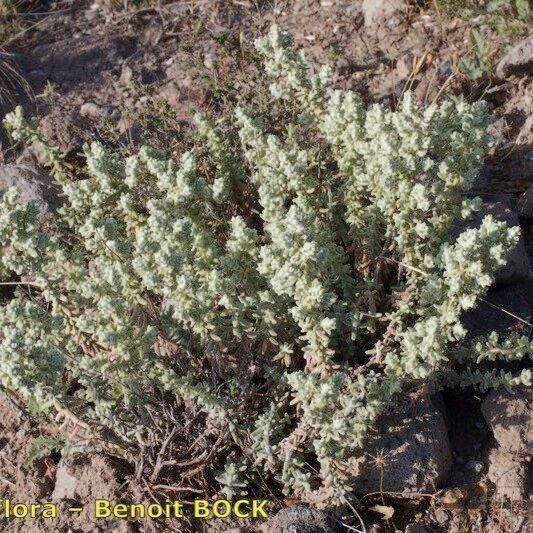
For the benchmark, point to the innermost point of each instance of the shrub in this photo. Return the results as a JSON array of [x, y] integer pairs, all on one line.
[[290, 286]]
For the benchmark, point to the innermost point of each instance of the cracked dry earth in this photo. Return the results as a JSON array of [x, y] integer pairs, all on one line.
[[457, 461]]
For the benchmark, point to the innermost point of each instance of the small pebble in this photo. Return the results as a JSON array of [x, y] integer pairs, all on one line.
[[90, 109], [36, 77], [441, 516], [476, 466], [91, 14], [393, 22]]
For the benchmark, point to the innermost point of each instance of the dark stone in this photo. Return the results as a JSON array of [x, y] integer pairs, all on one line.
[[519, 60], [524, 206], [84, 58], [413, 440], [416, 528], [510, 417], [64, 130], [468, 432], [502, 310], [36, 77], [300, 519], [508, 473]]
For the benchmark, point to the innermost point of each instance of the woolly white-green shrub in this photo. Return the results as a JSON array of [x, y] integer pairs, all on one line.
[[290, 285]]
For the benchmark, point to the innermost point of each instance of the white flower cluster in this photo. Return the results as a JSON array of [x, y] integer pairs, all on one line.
[[301, 259], [31, 361], [344, 291]]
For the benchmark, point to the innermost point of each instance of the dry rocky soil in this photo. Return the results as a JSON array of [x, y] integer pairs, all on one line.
[[458, 461]]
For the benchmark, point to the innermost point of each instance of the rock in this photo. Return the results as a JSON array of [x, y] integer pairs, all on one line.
[[404, 67], [475, 466], [184, 96], [83, 477], [524, 206], [525, 135], [95, 111], [210, 60], [481, 182], [300, 519], [510, 417], [71, 61], [90, 109], [519, 60], [467, 496], [148, 76], [416, 528], [517, 267], [66, 131], [126, 76], [380, 12], [131, 131], [152, 32], [30, 155], [444, 71], [441, 517], [344, 66], [66, 484], [32, 183], [508, 473], [469, 436], [36, 77], [91, 14], [228, 525], [409, 451], [492, 313]]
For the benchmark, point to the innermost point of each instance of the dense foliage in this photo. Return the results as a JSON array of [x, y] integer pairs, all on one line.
[[289, 280]]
